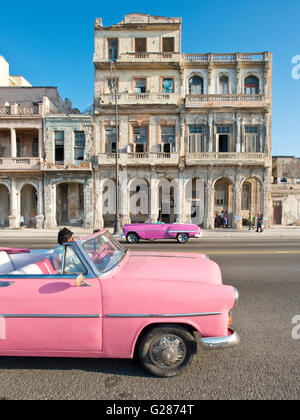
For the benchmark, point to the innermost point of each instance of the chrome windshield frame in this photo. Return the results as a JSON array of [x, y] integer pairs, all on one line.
[[80, 244]]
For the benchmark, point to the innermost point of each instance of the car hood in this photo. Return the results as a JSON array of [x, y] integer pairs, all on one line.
[[165, 266]]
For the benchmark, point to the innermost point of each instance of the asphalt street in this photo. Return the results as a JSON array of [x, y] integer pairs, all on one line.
[[266, 364]]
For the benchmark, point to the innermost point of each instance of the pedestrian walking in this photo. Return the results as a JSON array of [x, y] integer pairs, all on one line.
[[259, 223], [225, 220], [22, 221], [250, 222]]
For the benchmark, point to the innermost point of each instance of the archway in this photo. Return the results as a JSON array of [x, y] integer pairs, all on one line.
[[70, 204], [167, 196], [223, 202], [251, 199], [108, 202], [138, 191], [4, 206], [29, 205]]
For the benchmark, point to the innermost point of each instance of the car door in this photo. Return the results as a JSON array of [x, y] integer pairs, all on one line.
[[51, 314], [156, 231]]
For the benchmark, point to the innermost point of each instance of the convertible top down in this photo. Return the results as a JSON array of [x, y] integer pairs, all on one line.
[[106, 301]]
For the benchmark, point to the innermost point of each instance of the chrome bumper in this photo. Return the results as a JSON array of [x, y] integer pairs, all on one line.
[[212, 343], [121, 236], [199, 235]]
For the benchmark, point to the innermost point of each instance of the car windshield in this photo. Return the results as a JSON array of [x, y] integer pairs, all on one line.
[[104, 251]]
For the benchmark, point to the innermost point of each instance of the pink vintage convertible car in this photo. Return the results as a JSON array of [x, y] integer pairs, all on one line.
[[106, 302], [149, 231]]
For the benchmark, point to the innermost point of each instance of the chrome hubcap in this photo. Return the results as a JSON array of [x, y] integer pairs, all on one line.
[[131, 238], [182, 237], [168, 351]]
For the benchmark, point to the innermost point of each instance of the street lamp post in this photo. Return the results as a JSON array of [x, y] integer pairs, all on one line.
[[114, 81]]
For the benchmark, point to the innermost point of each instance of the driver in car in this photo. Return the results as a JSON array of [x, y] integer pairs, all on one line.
[[65, 235]]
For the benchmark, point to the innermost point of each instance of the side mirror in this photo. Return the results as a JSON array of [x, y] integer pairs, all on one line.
[[80, 282]]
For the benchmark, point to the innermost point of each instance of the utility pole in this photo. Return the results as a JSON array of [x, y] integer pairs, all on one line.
[[114, 81]]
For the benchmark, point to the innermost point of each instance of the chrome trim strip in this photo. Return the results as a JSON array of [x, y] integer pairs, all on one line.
[[47, 316], [162, 315], [181, 231]]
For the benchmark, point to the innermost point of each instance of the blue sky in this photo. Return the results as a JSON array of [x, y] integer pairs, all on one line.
[[52, 43]]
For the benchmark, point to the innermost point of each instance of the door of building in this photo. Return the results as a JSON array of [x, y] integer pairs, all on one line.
[[223, 143], [277, 212]]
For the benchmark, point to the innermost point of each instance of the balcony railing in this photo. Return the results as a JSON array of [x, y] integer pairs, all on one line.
[[62, 166], [219, 100], [19, 163], [160, 57], [139, 158], [226, 58], [139, 98], [21, 110], [229, 156]]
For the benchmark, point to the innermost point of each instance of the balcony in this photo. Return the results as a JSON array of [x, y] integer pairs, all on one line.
[[139, 99], [19, 164], [137, 159], [18, 110], [226, 58], [142, 57], [61, 166], [216, 158], [218, 101]]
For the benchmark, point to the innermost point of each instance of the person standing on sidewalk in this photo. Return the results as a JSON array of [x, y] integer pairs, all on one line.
[[250, 221]]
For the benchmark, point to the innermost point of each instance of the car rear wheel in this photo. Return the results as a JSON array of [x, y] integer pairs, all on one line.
[[132, 238], [166, 351], [182, 238]]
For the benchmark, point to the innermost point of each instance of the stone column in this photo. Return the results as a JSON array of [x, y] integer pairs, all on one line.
[[124, 197], [265, 198], [40, 212], [102, 137], [180, 198], [50, 205], [209, 222], [267, 133], [181, 149], [237, 207], [239, 87], [210, 133], [88, 222], [14, 208], [13, 143], [153, 199], [98, 210], [238, 134], [40, 142]]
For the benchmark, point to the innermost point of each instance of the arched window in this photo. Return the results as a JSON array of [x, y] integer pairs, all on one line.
[[196, 85], [224, 85], [252, 85]]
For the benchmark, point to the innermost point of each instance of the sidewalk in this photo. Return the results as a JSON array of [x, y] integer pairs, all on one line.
[[274, 232]]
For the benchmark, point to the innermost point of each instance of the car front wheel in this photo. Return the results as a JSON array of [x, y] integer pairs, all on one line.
[[132, 238], [182, 238], [166, 351]]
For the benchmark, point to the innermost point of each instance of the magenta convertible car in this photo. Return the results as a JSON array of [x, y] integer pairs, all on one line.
[[108, 302], [150, 231]]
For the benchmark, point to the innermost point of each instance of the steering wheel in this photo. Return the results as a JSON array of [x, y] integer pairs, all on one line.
[[99, 255]]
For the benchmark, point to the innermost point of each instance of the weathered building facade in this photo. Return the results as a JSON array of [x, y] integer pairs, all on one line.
[[67, 170], [285, 191], [194, 134], [23, 109], [183, 118]]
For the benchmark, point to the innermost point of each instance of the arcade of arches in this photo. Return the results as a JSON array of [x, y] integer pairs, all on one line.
[[178, 200]]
